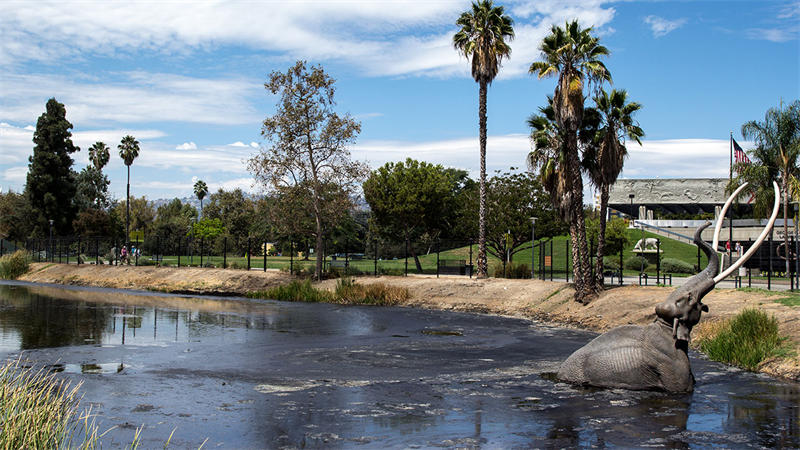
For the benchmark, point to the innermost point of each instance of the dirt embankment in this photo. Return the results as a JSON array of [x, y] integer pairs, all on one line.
[[542, 300]]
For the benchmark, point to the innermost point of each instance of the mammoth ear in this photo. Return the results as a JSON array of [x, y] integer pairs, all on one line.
[[704, 308]]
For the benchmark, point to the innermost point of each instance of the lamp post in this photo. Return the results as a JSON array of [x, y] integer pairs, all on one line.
[[51, 239], [533, 241]]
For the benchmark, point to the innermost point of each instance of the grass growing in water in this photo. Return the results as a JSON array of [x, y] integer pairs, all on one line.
[[38, 411], [13, 265], [347, 292], [745, 340]]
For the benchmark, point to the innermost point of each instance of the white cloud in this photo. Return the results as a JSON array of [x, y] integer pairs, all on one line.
[[380, 38], [238, 144], [187, 146], [16, 175], [661, 26], [16, 144], [132, 97], [254, 144]]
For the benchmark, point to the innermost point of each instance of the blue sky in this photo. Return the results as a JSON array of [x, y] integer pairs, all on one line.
[[186, 79]]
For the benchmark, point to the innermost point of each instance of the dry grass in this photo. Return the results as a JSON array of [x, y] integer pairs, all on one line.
[[350, 292]]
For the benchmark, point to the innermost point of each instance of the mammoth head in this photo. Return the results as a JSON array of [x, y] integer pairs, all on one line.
[[682, 309]]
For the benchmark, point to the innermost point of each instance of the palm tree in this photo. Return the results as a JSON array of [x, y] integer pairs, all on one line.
[[774, 157], [128, 151], [484, 35], [572, 54], [99, 155], [200, 190], [604, 160]]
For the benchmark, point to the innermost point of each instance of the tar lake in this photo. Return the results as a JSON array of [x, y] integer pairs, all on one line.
[[265, 374]]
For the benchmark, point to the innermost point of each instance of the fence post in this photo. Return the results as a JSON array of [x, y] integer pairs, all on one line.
[[346, 259], [158, 251], [375, 270], [658, 260], [248, 250], [438, 249], [96, 251], [470, 259], [406, 270], [79, 251], [551, 260], [225, 252], [621, 267], [566, 257], [769, 274], [291, 257], [180, 240], [201, 251], [265, 256]]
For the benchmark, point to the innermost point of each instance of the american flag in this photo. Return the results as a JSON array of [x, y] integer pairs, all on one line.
[[738, 154]]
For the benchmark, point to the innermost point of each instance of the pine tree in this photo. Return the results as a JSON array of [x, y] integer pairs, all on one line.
[[50, 186]]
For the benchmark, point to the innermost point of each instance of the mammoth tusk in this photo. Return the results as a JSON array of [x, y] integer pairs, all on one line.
[[758, 241], [721, 217], [674, 328]]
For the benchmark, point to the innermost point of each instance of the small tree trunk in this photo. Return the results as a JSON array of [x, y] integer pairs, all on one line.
[[482, 269], [599, 279]]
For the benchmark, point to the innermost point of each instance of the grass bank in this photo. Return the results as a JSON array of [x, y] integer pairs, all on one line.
[[13, 265], [746, 340], [347, 291]]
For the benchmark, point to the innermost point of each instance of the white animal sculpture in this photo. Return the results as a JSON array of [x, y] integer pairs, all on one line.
[[649, 243]]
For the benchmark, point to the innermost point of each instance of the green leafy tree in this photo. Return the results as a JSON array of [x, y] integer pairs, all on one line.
[[483, 37], [92, 189], [15, 224], [128, 151], [309, 143], [93, 222], [138, 215], [573, 55], [604, 160], [208, 229], [170, 226], [236, 212], [615, 236], [50, 184], [513, 198], [777, 147], [410, 198], [200, 191]]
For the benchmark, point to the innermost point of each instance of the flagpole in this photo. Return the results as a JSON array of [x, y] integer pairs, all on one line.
[[730, 179]]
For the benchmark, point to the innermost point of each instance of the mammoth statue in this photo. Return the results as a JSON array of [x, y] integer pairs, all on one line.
[[655, 356], [646, 244]]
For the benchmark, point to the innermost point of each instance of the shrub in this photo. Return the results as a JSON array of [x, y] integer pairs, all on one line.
[[350, 292], [746, 340], [13, 265], [521, 270], [673, 265], [296, 291], [145, 261], [611, 264], [236, 265], [636, 263]]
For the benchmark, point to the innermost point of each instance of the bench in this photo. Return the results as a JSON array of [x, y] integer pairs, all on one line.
[[453, 267]]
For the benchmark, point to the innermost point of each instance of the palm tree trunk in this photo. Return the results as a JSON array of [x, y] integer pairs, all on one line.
[[785, 221], [482, 269], [599, 279], [128, 209]]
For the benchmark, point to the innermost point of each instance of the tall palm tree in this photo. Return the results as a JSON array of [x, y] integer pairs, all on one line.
[[572, 54], [775, 157], [604, 160], [99, 155], [128, 151], [200, 190], [484, 35]]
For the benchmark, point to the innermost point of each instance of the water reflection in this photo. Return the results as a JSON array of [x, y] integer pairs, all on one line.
[[52, 317]]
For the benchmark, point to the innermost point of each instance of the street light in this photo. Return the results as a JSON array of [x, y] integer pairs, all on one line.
[[51, 240], [533, 240]]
